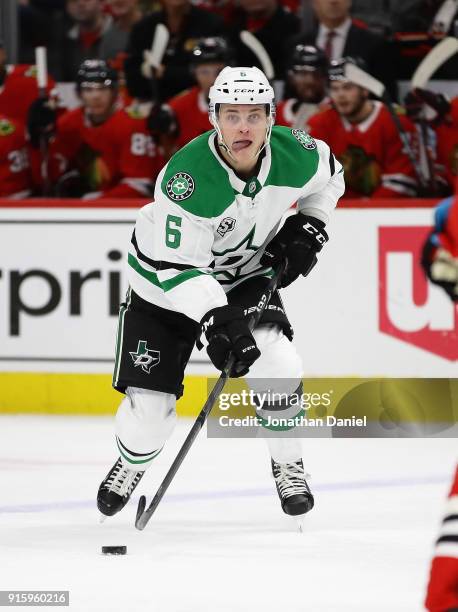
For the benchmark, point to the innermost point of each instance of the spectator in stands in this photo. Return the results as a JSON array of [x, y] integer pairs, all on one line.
[[83, 40], [271, 24], [209, 57], [338, 36], [15, 175], [307, 78], [364, 137], [185, 24], [436, 119], [18, 88], [125, 14], [98, 151]]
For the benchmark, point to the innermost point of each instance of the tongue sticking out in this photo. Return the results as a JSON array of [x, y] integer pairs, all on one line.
[[240, 144]]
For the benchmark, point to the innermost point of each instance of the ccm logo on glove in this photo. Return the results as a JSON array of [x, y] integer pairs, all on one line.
[[226, 329], [298, 241]]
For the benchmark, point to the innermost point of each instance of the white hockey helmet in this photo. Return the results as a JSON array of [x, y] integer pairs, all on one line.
[[241, 85]]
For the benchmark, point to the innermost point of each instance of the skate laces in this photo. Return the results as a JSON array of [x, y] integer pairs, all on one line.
[[290, 478], [122, 480]]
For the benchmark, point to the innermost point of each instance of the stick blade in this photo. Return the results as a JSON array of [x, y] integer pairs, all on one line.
[[160, 42], [139, 523], [435, 58], [360, 77], [259, 50]]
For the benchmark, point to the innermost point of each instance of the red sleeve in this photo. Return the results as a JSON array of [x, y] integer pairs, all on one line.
[[442, 592], [139, 160], [317, 126], [398, 175]]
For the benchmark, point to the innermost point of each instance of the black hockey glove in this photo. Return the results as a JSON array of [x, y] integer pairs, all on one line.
[[299, 240], [41, 120], [419, 100], [226, 329], [162, 120]]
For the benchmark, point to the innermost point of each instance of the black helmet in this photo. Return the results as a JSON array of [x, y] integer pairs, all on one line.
[[211, 49], [306, 58], [336, 70], [96, 73]]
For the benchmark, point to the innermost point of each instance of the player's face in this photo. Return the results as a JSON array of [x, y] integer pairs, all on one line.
[[98, 102], [243, 127], [206, 74], [348, 98], [309, 86]]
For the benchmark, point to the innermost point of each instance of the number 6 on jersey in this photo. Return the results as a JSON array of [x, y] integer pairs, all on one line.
[[172, 234]]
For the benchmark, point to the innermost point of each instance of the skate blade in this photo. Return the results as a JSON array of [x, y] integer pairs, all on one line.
[[300, 523], [102, 518]]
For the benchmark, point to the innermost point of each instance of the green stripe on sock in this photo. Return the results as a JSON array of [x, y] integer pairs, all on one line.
[[129, 460]]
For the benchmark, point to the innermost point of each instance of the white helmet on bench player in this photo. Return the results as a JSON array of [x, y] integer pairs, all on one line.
[[241, 86]]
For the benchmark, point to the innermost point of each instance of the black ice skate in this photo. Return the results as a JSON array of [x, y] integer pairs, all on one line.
[[293, 491], [116, 489]]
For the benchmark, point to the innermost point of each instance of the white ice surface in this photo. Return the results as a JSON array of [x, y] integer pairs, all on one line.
[[219, 541]]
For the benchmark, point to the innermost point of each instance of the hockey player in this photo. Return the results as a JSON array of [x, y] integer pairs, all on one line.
[[307, 76], [18, 88], [97, 150], [15, 174], [209, 57], [442, 593], [365, 139], [440, 252], [200, 255]]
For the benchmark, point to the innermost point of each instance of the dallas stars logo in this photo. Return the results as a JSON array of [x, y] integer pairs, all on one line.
[[304, 139], [145, 358], [180, 186]]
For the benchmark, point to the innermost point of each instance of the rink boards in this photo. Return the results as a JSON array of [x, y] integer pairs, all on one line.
[[366, 310]]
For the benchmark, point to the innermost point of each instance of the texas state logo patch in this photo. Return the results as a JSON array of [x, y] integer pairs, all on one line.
[[304, 139], [180, 186]]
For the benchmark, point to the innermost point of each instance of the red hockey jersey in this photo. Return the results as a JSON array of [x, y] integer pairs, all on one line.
[[293, 113], [15, 174], [191, 109], [370, 152], [447, 144], [117, 159], [442, 593], [19, 90]]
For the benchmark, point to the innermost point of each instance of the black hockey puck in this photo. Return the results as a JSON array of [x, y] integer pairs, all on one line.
[[114, 550]]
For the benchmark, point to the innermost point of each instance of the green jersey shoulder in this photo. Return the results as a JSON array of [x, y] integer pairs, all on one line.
[[196, 181], [295, 157]]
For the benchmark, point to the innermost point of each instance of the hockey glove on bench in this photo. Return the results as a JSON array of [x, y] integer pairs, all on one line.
[[299, 240], [226, 329]]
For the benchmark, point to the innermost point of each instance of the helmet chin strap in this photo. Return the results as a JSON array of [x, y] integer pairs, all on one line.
[[226, 147]]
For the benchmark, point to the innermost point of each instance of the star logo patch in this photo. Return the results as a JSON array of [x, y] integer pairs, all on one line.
[[145, 358], [180, 186]]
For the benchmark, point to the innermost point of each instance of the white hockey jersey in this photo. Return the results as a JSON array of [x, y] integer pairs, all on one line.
[[207, 229]]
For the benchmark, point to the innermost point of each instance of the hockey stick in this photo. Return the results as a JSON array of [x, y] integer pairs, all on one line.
[[435, 58], [42, 82], [360, 77], [259, 50], [143, 516], [153, 57]]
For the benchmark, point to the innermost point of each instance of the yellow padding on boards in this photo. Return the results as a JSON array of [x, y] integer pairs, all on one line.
[[60, 393]]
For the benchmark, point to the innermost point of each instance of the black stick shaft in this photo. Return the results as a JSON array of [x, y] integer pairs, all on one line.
[[143, 516]]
